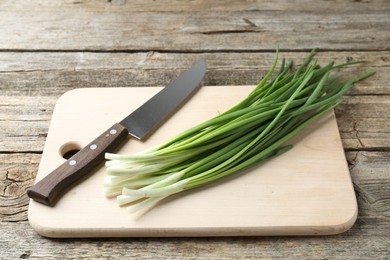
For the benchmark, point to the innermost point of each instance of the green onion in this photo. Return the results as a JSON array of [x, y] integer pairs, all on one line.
[[248, 134]]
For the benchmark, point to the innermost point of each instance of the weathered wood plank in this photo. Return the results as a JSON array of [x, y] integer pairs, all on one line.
[[87, 28], [364, 122], [197, 5], [24, 122], [53, 74], [368, 239], [370, 174], [17, 173], [75, 61], [364, 133]]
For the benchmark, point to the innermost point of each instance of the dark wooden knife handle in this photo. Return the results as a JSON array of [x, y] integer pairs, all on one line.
[[53, 186]]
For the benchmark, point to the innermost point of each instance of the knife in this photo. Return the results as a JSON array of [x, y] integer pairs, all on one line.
[[140, 124]]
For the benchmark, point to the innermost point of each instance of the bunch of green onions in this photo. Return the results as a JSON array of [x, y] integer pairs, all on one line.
[[246, 135]]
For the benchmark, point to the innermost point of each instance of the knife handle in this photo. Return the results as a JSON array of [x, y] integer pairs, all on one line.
[[53, 186]]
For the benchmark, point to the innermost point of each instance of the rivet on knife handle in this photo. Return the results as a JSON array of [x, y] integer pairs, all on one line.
[[50, 188]]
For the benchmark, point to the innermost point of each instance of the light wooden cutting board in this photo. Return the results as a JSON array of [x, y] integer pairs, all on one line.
[[306, 191]]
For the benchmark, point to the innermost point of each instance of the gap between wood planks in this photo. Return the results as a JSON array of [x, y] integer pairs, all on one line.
[[281, 50]]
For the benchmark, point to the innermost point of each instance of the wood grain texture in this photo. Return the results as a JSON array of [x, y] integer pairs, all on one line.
[[366, 240], [31, 82], [24, 123], [370, 172], [200, 5], [53, 73], [17, 173], [109, 28]]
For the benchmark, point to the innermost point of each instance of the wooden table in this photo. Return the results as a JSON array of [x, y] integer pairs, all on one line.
[[50, 47]]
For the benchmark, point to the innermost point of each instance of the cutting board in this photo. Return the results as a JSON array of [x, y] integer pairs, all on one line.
[[306, 191]]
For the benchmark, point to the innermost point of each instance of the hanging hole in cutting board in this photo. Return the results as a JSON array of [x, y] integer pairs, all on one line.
[[69, 149]]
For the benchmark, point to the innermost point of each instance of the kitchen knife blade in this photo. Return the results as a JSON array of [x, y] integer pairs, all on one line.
[[140, 124]]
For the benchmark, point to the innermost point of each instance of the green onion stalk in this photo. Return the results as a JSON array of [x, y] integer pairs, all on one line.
[[248, 134]]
